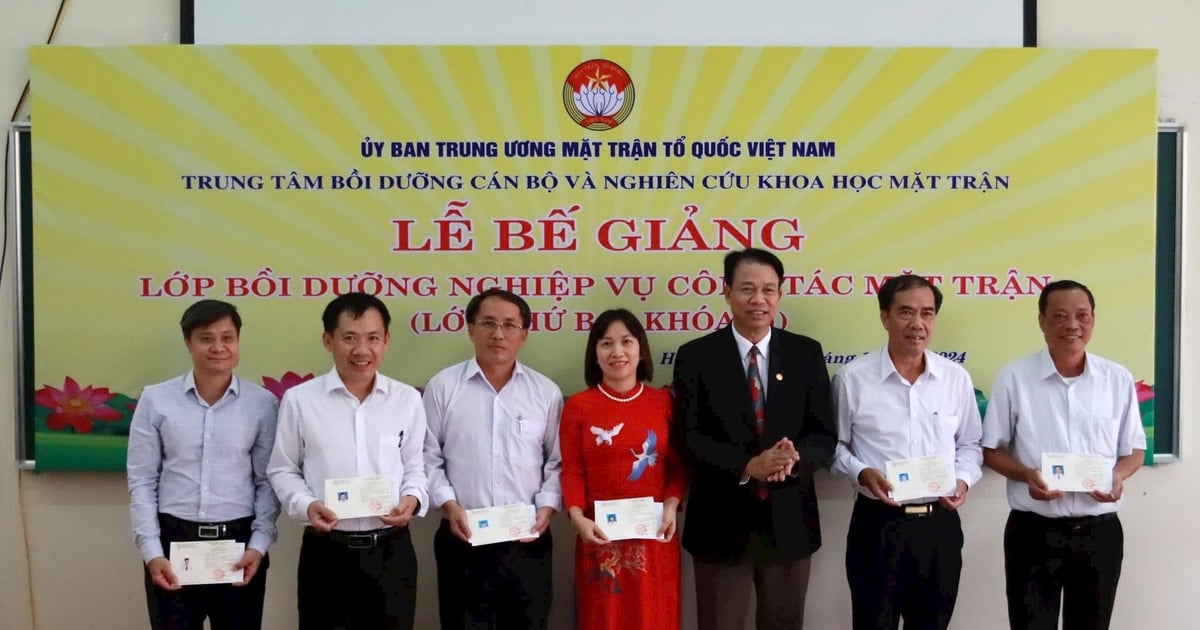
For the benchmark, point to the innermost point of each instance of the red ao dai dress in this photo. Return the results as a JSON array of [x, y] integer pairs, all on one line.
[[621, 450]]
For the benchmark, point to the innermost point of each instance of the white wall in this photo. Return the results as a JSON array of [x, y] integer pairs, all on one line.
[[68, 560]]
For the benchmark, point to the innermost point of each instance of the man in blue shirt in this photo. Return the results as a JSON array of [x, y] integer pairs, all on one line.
[[197, 465]]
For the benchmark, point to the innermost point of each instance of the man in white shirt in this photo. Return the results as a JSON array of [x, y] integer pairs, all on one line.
[[492, 441], [197, 465], [904, 558], [1062, 549], [353, 422]]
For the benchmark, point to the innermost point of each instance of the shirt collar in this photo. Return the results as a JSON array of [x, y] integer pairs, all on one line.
[[333, 382], [1046, 369], [472, 369], [744, 344], [887, 367], [189, 384]]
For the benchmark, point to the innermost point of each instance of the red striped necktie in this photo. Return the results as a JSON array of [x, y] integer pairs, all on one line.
[[758, 403]]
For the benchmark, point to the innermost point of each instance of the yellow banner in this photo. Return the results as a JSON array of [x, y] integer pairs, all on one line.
[[583, 178]]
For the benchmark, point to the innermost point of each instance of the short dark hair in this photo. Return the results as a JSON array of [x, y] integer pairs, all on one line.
[[507, 296], [904, 282], [1062, 285], [751, 255], [353, 304], [207, 312], [592, 374]]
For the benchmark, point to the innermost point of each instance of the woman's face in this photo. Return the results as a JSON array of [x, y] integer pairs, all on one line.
[[618, 353]]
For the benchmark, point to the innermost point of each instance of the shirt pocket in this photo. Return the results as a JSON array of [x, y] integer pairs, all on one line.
[[944, 436], [525, 433], [390, 458], [533, 428], [1101, 435], [947, 420], [527, 425]]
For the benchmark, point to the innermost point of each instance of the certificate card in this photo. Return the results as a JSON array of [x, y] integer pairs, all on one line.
[[624, 519], [1077, 473], [355, 497], [207, 562], [501, 523], [928, 476]]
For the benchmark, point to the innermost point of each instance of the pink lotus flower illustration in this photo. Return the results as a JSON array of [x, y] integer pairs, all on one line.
[[76, 407], [1144, 391], [287, 381]]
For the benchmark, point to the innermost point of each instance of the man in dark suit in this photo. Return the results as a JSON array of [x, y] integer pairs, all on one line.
[[756, 411]]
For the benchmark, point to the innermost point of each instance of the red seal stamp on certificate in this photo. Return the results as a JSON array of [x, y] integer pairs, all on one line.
[[1088, 483], [218, 574], [514, 531], [375, 505], [934, 486], [640, 529], [598, 94]]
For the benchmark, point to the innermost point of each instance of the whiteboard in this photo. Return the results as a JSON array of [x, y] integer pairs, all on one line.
[[953, 23]]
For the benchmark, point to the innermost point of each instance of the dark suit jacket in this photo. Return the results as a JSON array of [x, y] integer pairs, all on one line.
[[713, 403]]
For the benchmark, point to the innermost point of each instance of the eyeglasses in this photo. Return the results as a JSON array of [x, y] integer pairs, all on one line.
[[506, 328]]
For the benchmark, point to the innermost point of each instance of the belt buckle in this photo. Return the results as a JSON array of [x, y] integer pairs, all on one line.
[[360, 541], [210, 531], [918, 510]]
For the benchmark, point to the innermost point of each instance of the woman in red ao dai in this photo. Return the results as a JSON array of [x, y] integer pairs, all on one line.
[[616, 442]]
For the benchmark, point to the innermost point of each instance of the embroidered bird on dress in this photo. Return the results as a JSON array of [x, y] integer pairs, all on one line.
[[646, 458], [605, 437]]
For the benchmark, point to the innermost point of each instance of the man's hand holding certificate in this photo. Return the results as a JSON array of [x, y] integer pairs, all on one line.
[[1077, 473], [625, 519], [206, 562], [920, 477], [355, 497], [502, 523]]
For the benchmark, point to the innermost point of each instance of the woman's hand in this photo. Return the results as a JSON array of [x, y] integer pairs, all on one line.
[[589, 532], [667, 531]]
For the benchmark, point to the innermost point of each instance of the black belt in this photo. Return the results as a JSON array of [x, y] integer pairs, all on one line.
[[1065, 523], [358, 540], [907, 510], [239, 528]]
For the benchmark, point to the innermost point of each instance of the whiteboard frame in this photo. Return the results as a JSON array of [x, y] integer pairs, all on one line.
[[885, 23]]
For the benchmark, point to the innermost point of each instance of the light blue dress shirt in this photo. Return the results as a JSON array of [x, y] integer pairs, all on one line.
[[200, 462]]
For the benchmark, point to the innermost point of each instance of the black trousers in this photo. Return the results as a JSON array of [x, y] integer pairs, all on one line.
[[1072, 563], [226, 607], [347, 582], [494, 587], [903, 565]]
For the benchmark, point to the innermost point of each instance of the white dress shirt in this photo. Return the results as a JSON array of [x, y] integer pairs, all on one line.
[[487, 448], [326, 433], [199, 462], [764, 357], [1034, 410], [883, 417]]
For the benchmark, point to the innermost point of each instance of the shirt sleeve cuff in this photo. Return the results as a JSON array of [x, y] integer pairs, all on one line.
[[855, 469], [299, 507], [439, 496], [151, 550], [992, 442], [968, 477], [421, 496], [548, 499], [259, 542]]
